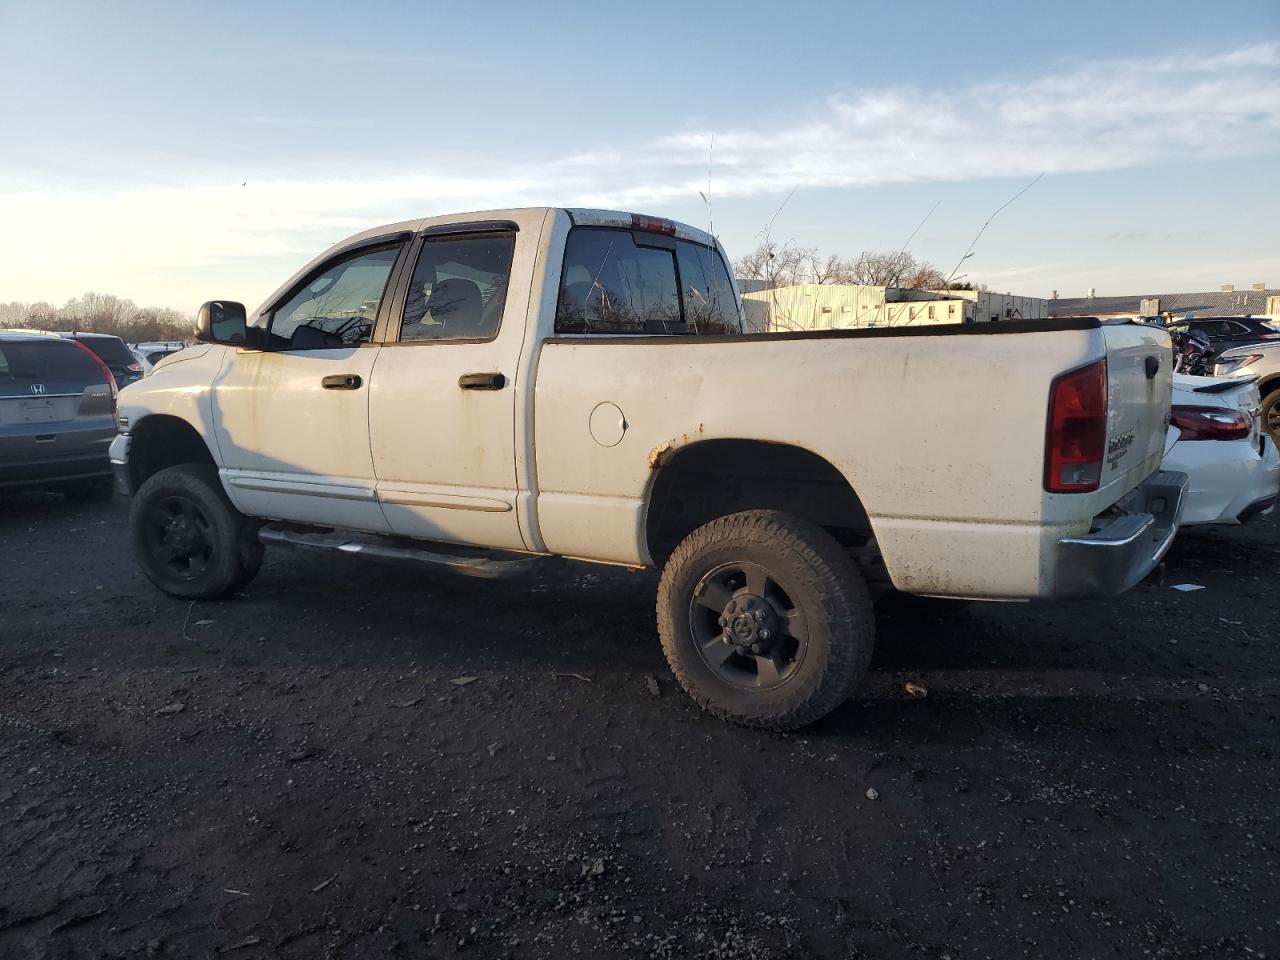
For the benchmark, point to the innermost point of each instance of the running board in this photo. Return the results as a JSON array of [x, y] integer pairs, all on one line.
[[468, 562]]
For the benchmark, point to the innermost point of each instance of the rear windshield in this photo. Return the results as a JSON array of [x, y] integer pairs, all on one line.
[[111, 349], [619, 282], [56, 362]]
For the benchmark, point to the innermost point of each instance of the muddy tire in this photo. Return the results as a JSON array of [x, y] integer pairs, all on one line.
[[188, 538], [765, 620], [1271, 415]]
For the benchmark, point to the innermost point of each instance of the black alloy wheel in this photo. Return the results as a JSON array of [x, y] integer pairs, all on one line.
[[180, 536], [189, 539], [765, 619], [746, 626]]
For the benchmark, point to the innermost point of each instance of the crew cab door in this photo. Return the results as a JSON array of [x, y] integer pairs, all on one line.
[[292, 419], [443, 399]]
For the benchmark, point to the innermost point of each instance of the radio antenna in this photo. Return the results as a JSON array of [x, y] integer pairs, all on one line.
[[969, 252], [706, 197], [918, 226]]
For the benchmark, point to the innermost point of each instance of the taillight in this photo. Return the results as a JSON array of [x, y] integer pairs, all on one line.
[[1076, 436], [653, 224], [108, 376], [135, 366], [1210, 423]]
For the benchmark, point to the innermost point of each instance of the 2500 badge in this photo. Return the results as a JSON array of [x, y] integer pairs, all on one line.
[[1117, 447]]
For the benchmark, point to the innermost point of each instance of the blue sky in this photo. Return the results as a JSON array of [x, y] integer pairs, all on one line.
[[129, 129]]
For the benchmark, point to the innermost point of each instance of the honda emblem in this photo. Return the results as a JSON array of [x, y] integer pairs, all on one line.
[[37, 388]]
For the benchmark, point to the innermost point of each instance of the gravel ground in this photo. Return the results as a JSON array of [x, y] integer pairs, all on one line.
[[355, 760]]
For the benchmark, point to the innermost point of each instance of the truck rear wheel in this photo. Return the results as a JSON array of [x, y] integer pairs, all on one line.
[[188, 538], [765, 619]]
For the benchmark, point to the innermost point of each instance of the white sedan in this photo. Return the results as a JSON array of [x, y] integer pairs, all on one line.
[[1214, 438]]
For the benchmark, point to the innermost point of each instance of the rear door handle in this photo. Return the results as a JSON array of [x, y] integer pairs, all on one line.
[[482, 381], [342, 381]]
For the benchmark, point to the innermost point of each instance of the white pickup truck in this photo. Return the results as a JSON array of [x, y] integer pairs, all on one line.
[[481, 390]]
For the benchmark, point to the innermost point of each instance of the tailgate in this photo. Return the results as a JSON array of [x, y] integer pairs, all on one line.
[[1139, 385]]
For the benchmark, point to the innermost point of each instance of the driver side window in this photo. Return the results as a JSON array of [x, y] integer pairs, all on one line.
[[338, 306]]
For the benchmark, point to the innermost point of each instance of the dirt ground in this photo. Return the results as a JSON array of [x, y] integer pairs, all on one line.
[[301, 772]]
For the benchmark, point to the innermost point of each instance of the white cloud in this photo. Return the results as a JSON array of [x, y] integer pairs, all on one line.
[[1097, 116]]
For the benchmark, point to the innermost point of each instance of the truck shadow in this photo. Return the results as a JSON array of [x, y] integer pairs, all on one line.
[[589, 618]]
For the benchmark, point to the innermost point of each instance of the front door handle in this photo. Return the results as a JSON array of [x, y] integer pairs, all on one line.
[[482, 381], [342, 381]]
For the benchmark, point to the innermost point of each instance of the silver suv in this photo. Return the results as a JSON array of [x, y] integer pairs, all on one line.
[[57, 416]]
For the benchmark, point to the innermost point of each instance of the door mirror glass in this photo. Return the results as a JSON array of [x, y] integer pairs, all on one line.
[[222, 321]]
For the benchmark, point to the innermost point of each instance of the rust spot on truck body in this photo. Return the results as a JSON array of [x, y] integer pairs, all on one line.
[[659, 454]]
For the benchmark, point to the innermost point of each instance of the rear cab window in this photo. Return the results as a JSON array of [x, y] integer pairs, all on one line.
[[617, 281]]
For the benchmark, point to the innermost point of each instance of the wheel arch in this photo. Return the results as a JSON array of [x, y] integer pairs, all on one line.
[[702, 481], [161, 440]]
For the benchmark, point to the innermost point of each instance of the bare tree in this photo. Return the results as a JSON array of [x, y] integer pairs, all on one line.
[[100, 313], [786, 265], [777, 265], [896, 269]]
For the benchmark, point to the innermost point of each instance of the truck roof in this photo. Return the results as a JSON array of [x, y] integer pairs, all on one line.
[[581, 216]]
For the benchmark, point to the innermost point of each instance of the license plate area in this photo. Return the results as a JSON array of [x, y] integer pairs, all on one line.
[[37, 411]]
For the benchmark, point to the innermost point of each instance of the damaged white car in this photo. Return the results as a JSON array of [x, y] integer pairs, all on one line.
[[1215, 437]]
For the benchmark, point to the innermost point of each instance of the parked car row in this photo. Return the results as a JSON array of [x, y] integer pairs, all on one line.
[[58, 404], [57, 415], [1224, 424], [149, 354]]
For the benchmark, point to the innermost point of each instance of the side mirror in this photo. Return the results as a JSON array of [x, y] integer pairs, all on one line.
[[222, 321]]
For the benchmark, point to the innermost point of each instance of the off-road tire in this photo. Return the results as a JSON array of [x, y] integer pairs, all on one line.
[[230, 554], [1271, 409], [820, 578]]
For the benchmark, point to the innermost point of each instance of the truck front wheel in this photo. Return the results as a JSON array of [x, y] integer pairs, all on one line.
[[765, 619], [188, 538]]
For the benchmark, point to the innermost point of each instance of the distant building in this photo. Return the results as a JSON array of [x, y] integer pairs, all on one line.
[[752, 286], [1258, 301], [838, 306]]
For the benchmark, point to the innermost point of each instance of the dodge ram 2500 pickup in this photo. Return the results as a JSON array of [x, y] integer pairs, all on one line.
[[480, 390]]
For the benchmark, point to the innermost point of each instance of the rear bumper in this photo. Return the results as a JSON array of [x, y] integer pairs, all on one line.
[[1126, 544], [1231, 480], [1258, 508], [37, 473], [36, 461]]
